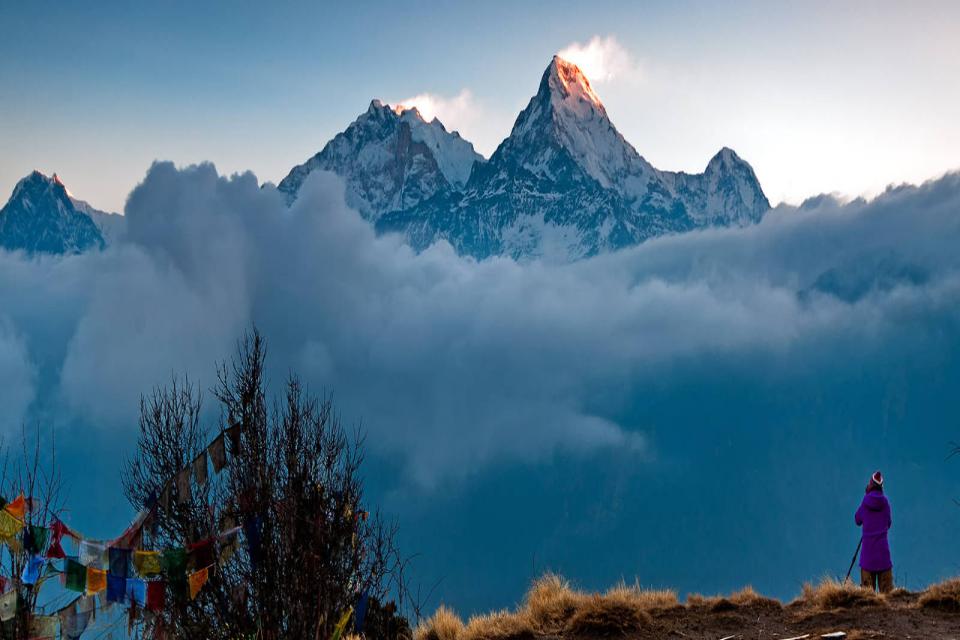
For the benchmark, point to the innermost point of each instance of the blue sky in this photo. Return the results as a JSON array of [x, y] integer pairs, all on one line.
[[818, 97]]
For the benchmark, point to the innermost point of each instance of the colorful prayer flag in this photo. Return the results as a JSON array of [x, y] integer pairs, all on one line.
[[156, 595], [116, 588], [31, 570], [9, 527], [201, 554], [36, 538], [200, 468], [218, 453], [234, 434], [8, 605], [174, 562], [342, 624], [75, 575], [44, 626], [137, 591], [120, 561], [197, 580], [96, 580], [17, 508], [93, 554], [183, 485], [147, 563]]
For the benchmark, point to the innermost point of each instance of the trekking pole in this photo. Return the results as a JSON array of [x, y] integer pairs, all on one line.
[[852, 562]]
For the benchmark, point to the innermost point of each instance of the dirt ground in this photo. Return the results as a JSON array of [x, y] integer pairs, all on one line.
[[900, 617]]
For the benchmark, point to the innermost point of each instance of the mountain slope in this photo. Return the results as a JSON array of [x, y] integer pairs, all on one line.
[[391, 159], [41, 217]]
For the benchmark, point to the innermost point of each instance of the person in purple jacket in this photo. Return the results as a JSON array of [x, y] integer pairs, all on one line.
[[876, 569]]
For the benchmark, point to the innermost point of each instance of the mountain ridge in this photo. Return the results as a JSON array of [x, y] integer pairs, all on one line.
[[564, 181]]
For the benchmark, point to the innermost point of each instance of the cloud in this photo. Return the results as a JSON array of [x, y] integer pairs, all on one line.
[[456, 365], [601, 59], [475, 121]]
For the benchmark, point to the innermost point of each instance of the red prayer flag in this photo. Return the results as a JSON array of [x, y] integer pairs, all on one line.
[[156, 595]]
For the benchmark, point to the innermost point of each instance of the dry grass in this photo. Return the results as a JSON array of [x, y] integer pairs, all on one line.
[[501, 625], [444, 624], [604, 616], [832, 594], [746, 597], [550, 604], [943, 597], [643, 599]]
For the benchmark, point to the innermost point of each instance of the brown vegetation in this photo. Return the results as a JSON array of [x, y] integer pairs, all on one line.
[[553, 609], [944, 596]]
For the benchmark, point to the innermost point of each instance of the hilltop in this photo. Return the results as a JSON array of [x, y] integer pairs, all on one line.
[[554, 610]]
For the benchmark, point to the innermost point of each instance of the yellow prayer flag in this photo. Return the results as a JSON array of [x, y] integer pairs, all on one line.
[[342, 624], [147, 563], [197, 580], [96, 580], [9, 527]]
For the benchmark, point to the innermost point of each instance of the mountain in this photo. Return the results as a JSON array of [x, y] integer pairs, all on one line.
[[391, 159], [42, 217], [564, 182]]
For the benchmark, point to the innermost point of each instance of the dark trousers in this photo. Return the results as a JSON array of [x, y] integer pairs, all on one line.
[[881, 581]]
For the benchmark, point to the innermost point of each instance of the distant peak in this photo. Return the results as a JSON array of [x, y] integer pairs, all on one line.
[[566, 79], [726, 158]]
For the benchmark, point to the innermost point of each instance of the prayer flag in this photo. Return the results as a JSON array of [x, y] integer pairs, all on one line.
[[8, 605], [76, 575], [133, 534], [93, 554], [234, 434], [174, 563], [202, 554], [96, 580], [9, 527], [120, 562], [342, 624], [147, 563], [156, 595], [17, 508], [197, 580], [116, 588], [200, 468], [137, 591], [43, 626], [36, 539], [218, 453], [55, 551], [183, 485], [362, 603], [31, 570], [72, 622]]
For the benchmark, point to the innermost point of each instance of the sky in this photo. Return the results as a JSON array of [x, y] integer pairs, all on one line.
[[698, 412], [818, 97]]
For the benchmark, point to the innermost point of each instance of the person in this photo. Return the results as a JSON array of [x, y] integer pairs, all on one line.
[[876, 568]]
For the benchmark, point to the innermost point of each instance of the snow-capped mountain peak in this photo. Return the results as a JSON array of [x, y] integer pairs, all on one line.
[[41, 217], [567, 116], [391, 158]]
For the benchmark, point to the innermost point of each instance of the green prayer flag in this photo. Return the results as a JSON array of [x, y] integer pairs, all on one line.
[[41, 538], [76, 576], [174, 563]]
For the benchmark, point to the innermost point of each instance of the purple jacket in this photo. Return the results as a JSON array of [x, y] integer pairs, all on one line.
[[874, 516]]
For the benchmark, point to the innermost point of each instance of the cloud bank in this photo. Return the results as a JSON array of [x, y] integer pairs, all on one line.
[[453, 364]]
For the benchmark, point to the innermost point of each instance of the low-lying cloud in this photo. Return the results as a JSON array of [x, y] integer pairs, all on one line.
[[455, 365]]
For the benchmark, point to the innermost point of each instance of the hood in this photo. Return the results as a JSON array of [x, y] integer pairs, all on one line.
[[875, 501]]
